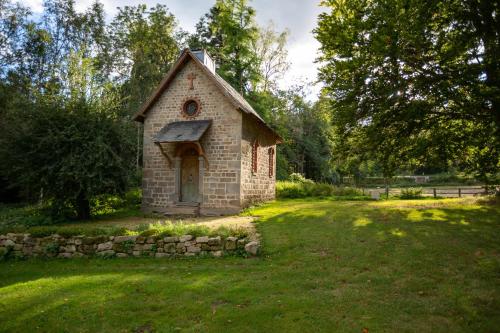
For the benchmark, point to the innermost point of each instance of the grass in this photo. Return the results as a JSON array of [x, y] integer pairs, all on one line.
[[160, 228], [330, 266]]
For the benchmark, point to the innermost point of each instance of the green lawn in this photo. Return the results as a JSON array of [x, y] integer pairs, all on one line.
[[332, 266]]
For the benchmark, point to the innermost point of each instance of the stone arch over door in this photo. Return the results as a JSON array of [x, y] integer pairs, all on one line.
[[189, 172]]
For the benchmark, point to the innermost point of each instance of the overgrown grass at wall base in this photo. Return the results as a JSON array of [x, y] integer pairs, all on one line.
[[293, 189], [161, 229]]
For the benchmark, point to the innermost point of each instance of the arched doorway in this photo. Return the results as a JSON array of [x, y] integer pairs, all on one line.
[[190, 178]]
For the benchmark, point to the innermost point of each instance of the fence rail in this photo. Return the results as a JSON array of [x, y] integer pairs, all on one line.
[[446, 192]]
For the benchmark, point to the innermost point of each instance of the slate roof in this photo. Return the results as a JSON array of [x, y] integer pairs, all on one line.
[[235, 97], [183, 131]]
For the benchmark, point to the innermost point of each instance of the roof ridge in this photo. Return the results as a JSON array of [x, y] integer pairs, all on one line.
[[237, 98]]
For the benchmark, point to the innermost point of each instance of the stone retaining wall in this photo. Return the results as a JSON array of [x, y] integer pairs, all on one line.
[[24, 246]]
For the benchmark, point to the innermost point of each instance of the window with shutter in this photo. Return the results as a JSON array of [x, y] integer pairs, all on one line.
[[271, 162]]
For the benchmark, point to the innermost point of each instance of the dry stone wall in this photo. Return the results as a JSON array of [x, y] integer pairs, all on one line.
[[25, 246]]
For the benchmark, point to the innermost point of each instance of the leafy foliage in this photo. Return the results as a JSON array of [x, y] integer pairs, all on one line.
[[73, 147], [66, 96], [413, 83], [228, 32], [146, 44]]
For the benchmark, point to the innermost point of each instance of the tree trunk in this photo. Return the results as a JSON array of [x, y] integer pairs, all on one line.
[[82, 207]]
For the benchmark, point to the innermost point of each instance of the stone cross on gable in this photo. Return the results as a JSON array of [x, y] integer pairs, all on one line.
[[191, 78]]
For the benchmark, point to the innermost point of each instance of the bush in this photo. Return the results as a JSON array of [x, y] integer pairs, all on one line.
[[299, 178], [106, 204], [133, 197], [411, 193], [289, 189]]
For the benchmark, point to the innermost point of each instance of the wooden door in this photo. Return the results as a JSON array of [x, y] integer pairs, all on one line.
[[189, 178]]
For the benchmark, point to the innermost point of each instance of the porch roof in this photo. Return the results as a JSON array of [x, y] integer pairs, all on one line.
[[182, 131]]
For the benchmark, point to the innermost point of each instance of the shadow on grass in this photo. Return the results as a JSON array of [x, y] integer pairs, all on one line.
[[337, 266]]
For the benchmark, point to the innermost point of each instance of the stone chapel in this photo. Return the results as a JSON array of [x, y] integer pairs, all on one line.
[[206, 151]]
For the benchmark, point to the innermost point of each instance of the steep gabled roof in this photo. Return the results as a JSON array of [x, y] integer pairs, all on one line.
[[227, 90]]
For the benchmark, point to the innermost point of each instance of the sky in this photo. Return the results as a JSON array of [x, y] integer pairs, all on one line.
[[299, 16]]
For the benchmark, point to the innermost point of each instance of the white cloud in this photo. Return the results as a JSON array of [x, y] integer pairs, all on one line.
[[36, 6]]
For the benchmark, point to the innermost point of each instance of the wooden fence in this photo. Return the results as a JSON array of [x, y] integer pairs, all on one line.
[[444, 192]]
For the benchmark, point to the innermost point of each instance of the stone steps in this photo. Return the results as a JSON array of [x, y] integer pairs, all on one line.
[[185, 209]]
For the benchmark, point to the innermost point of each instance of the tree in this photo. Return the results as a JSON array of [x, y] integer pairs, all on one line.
[[145, 47], [70, 145], [305, 128], [411, 80], [270, 48], [228, 32]]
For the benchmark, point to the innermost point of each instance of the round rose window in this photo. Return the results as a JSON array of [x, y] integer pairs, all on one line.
[[191, 108]]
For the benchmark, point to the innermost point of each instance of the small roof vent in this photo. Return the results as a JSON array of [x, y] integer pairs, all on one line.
[[203, 56]]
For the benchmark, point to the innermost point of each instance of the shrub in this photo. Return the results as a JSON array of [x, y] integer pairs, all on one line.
[[105, 204], [134, 197], [411, 193], [289, 189], [299, 178]]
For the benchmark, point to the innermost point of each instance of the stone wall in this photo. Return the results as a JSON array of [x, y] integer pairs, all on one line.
[[221, 144], [25, 246], [259, 186]]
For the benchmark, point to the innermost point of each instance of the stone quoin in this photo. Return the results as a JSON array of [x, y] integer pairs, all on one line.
[[206, 151]]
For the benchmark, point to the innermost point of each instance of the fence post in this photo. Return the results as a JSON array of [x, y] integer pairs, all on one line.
[[459, 192], [434, 192]]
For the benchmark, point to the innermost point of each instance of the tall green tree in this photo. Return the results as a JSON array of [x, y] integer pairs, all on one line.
[[305, 128], [73, 147], [228, 32], [146, 43], [413, 80], [145, 47]]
